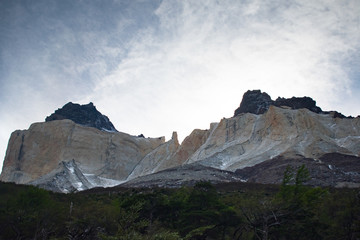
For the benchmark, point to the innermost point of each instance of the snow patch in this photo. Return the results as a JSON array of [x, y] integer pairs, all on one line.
[[110, 182], [107, 130], [71, 169], [97, 181]]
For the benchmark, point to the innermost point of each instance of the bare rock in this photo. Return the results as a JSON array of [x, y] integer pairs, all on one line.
[[258, 102], [254, 102], [86, 115], [156, 160], [249, 139], [37, 151]]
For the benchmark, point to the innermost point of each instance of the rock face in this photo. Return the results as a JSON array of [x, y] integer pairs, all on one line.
[[258, 102], [170, 154], [86, 115], [298, 103], [68, 177], [254, 102], [156, 160], [39, 150], [248, 139], [63, 155], [255, 145]]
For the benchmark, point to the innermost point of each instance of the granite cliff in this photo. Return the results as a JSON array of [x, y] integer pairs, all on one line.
[[78, 148]]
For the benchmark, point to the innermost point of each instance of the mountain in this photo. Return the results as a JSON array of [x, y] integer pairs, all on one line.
[[78, 148], [38, 151]]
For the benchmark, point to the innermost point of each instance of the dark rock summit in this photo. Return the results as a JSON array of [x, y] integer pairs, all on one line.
[[258, 102], [254, 102], [297, 103], [86, 115]]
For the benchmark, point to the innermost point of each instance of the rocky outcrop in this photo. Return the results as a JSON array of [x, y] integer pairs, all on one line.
[[258, 102], [331, 169], [249, 139], [170, 154], [188, 147], [254, 102], [37, 151], [65, 156], [297, 103], [68, 177], [156, 160], [86, 115], [185, 175]]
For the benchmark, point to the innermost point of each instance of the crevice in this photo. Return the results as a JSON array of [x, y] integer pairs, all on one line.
[[21, 154]]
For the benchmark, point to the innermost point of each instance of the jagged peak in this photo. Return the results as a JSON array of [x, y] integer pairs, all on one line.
[[86, 115], [257, 102], [174, 138], [254, 101]]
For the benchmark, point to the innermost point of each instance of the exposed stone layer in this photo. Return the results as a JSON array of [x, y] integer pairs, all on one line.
[[248, 139], [37, 151]]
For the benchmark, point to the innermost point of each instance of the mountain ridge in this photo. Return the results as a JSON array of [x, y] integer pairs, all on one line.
[[64, 155], [257, 102]]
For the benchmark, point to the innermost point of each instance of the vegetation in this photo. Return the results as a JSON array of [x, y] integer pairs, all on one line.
[[205, 211]]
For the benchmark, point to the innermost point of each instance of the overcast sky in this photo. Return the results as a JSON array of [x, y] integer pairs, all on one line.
[[154, 67]]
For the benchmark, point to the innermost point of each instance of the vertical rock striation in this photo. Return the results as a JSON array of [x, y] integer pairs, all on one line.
[[37, 151]]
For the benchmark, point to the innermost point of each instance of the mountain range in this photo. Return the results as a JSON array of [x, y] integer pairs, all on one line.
[[78, 148]]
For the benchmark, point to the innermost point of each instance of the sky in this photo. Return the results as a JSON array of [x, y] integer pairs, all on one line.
[[158, 66]]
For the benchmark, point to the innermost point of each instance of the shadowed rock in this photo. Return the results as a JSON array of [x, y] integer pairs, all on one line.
[[331, 169], [254, 102], [258, 102], [86, 115], [297, 103]]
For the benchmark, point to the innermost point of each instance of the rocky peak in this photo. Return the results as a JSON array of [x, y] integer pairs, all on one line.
[[174, 137], [255, 101], [258, 102], [86, 115], [297, 103]]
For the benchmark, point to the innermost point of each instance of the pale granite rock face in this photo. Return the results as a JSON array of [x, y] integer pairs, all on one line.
[[248, 139], [157, 159], [188, 147], [170, 154], [37, 151]]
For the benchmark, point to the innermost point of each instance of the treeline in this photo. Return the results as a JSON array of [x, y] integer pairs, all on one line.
[[205, 211]]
